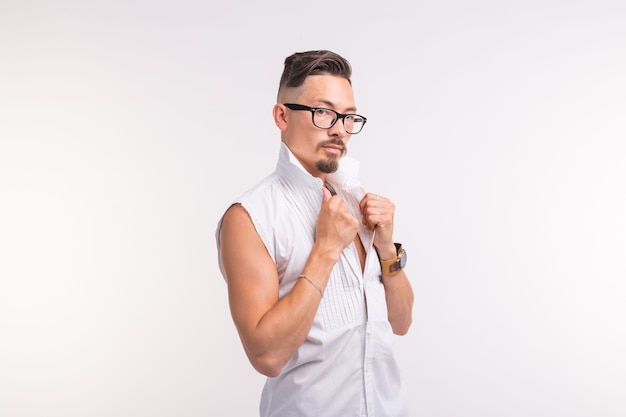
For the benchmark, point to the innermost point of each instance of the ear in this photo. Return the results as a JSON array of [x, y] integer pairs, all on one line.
[[280, 116]]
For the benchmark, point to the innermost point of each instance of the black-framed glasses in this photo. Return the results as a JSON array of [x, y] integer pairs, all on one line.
[[326, 118]]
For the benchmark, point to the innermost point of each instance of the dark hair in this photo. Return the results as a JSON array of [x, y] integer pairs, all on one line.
[[302, 64]]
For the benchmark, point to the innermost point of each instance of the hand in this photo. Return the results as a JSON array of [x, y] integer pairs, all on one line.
[[336, 225], [377, 214]]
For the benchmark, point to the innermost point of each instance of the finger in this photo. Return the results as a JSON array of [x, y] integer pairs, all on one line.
[[368, 201]]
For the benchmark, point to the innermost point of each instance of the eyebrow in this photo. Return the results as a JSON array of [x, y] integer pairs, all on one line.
[[332, 105]]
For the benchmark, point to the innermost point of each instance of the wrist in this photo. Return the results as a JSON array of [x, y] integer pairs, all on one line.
[[324, 255], [390, 267], [387, 252]]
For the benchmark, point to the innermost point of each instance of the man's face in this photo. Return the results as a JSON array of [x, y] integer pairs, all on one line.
[[319, 150]]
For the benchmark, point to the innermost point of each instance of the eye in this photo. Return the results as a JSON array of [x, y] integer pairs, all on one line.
[[323, 112]]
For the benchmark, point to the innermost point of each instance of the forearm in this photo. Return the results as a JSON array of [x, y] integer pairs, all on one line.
[[398, 293], [399, 297]]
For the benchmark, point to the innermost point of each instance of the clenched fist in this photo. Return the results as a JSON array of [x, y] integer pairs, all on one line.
[[336, 225], [377, 213]]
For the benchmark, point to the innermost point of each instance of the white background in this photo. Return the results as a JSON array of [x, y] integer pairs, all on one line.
[[127, 127]]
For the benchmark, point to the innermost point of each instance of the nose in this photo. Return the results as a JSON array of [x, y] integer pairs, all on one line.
[[338, 129]]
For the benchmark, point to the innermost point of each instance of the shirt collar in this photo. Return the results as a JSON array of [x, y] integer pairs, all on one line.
[[289, 166]]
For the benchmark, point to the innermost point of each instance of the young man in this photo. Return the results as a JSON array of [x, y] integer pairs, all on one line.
[[315, 282]]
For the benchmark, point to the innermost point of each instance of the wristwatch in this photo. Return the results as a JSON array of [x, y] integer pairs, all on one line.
[[395, 265]]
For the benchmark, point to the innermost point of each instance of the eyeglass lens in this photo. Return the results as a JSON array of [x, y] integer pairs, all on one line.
[[326, 118]]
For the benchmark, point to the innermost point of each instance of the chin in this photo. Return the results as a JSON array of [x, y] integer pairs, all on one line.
[[328, 166]]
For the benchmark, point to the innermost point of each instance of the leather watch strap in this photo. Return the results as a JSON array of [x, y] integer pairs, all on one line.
[[393, 266]]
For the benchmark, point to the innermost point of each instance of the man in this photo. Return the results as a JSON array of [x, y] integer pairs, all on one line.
[[315, 282]]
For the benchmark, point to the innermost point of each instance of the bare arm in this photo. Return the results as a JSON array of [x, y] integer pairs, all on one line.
[[399, 296], [271, 330], [377, 214]]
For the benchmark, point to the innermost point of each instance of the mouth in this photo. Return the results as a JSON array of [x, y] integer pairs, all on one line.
[[334, 149]]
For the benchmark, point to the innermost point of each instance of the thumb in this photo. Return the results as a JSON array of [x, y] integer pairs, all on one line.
[[326, 195]]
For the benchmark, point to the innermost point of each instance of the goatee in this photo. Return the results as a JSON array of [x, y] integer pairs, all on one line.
[[330, 165]]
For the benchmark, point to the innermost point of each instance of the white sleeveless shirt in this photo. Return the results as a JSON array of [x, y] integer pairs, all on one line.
[[345, 367]]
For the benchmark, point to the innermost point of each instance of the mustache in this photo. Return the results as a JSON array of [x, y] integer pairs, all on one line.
[[337, 142]]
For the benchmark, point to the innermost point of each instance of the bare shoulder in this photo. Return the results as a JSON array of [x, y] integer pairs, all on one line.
[[238, 235], [235, 220], [242, 252]]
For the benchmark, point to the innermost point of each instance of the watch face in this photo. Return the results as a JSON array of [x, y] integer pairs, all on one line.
[[400, 261]]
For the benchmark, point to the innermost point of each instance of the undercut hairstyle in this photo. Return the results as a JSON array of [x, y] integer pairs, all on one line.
[[302, 64]]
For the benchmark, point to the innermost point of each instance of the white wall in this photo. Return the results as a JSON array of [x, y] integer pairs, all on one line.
[[126, 128]]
